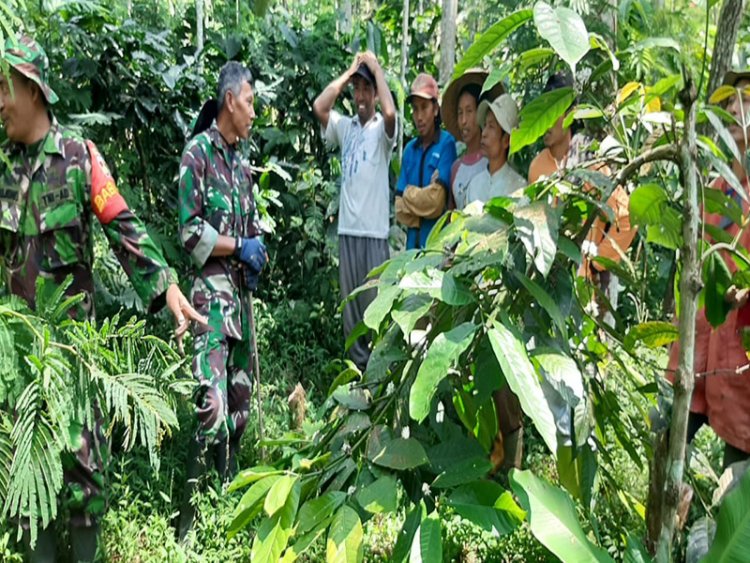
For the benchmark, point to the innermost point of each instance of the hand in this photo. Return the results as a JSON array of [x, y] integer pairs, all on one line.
[[253, 253], [355, 65], [737, 297], [183, 313], [369, 58]]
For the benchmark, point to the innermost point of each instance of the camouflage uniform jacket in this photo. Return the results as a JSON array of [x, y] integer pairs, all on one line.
[[215, 198], [48, 195]]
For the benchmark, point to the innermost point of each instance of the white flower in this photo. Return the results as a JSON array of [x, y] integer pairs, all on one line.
[[351, 490], [346, 448], [405, 433], [390, 389], [588, 248], [425, 489], [440, 416]]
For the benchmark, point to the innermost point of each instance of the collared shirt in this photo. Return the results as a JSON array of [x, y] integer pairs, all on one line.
[[464, 170], [215, 197], [48, 196], [365, 156], [417, 167], [484, 186]]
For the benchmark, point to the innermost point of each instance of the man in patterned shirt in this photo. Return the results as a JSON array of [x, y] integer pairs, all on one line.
[[52, 187], [219, 229]]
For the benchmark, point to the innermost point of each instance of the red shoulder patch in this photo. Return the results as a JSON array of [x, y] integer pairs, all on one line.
[[106, 200]]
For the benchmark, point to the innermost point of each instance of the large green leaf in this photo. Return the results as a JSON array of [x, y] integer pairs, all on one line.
[[522, 379], [279, 493], [401, 453], [653, 334], [406, 535], [345, 535], [539, 115], [430, 541], [410, 310], [442, 354], [553, 519], [546, 301], [381, 306], [248, 476], [380, 496], [562, 373], [250, 504], [646, 204], [318, 509], [716, 281], [273, 534], [487, 505], [463, 471], [732, 540], [565, 31], [490, 39], [537, 227]]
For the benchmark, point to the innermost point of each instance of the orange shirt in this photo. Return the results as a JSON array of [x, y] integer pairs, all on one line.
[[607, 237], [722, 395]]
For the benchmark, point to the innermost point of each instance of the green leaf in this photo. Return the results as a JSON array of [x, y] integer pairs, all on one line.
[[533, 57], [318, 509], [553, 519], [719, 203], [522, 379], [400, 454], [653, 334], [430, 541], [546, 301], [732, 540], [406, 535], [562, 373], [442, 354], [539, 115], [488, 376], [346, 376], [668, 232], [565, 31], [537, 227], [279, 493], [490, 39], [353, 398], [251, 504], [410, 310], [380, 496], [273, 534], [726, 137], [716, 281], [381, 306], [345, 536], [635, 551], [647, 203], [463, 471], [487, 505], [454, 292]]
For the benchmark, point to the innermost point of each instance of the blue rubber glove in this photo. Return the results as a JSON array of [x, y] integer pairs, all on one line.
[[252, 252]]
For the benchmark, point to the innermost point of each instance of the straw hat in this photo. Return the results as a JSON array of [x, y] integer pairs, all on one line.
[[449, 106]]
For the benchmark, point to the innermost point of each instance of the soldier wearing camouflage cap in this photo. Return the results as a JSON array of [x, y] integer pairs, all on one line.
[[219, 229], [54, 186]]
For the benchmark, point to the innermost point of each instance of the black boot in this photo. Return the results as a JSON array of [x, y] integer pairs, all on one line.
[[196, 467], [45, 549], [221, 460], [233, 462], [83, 540]]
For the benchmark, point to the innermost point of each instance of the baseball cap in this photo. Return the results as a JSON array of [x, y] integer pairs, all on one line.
[[364, 71], [27, 57], [425, 87], [504, 109]]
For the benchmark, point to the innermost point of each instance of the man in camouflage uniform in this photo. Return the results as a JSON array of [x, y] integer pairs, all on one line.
[[219, 229], [55, 184]]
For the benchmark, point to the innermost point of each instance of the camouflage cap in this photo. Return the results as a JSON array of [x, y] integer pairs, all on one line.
[[27, 57]]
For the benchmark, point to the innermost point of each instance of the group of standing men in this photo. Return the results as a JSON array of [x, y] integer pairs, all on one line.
[[58, 182]]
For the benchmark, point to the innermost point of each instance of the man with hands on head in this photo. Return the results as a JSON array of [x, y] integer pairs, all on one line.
[[366, 141]]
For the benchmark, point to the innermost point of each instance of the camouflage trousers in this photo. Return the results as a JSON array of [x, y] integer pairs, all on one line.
[[221, 366]]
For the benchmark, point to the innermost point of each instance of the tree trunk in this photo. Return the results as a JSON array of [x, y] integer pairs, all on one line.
[[198, 27], [345, 17], [448, 40], [730, 18], [690, 286], [404, 62]]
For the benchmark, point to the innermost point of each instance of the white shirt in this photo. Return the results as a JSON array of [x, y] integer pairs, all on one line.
[[505, 182], [365, 157]]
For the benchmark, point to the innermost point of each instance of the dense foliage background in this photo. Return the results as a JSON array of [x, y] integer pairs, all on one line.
[[132, 76]]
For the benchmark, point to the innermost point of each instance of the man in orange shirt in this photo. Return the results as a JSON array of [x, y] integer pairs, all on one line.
[[607, 239], [722, 387]]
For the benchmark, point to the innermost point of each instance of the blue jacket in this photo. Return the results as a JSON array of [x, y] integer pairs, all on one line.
[[417, 167]]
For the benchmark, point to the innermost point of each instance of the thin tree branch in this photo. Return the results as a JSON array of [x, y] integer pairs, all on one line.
[[664, 152]]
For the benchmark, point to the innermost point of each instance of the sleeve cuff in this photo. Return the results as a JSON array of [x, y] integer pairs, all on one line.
[[205, 246]]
